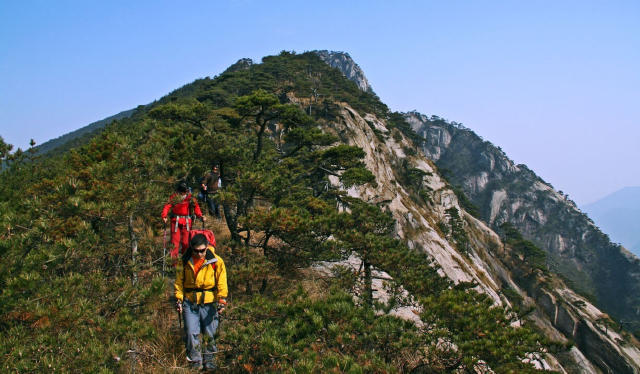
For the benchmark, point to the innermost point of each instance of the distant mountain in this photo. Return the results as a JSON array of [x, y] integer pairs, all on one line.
[[63, 142], [501, 191], [618, 215]]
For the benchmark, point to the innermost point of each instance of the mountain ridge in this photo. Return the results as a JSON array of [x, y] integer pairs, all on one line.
[[473, 182], [480, 262], [350, 69], [64, 141], [572, 323], [92, 228], [340, 60], [505, 192]]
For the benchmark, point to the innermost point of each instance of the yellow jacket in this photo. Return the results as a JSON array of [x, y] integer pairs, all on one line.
[[212, 274]]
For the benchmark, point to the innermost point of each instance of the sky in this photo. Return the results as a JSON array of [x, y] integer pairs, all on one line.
[[555, 84]]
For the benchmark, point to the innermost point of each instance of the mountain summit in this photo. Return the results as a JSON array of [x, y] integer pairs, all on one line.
[[343, 62], [339, 60]]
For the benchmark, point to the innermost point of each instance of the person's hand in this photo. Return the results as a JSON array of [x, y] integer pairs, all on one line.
[[179, 306], [164, 220], [222, 305], [203, 218]]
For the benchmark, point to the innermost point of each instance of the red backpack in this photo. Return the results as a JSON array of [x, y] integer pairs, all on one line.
[[211, 239]]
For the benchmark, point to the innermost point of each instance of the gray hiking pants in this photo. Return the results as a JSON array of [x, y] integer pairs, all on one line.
[[200, 319]]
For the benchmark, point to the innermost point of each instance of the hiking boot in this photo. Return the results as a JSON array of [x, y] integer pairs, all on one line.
[[209, 366], [195, 365]]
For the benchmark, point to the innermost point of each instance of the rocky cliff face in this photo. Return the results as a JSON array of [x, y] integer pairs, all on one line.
[[558, 311], [343, 62], [504, 192]]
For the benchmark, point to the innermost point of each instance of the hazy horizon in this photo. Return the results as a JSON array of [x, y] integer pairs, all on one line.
[[617, 215]]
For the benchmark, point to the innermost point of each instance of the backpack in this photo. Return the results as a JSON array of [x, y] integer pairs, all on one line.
[[211, 239]]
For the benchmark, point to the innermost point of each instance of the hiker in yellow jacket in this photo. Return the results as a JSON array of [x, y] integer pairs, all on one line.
[[201, 291]]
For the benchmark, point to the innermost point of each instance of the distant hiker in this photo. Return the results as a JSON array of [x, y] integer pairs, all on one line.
[[201, 192], [201, 291], [209, 186], [182, 206]]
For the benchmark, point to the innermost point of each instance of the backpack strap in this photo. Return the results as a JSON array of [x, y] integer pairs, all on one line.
[[213, 289]]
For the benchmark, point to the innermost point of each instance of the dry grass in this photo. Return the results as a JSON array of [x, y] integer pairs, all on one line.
[[313, 283], [164, 353]]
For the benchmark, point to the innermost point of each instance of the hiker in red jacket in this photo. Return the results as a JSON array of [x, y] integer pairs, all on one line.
[[182, 206]]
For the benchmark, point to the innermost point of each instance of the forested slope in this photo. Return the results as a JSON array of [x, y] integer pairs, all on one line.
[[81, 241]]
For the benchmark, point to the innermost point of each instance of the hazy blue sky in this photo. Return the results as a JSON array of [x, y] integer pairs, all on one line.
[[555, 84]]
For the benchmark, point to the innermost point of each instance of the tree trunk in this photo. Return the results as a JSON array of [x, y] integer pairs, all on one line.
[[260, 134], [232, 223], [229, 217], [263, 286], [368, 287], [265, 246]]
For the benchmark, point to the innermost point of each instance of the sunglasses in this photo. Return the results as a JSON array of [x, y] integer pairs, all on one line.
[[199, 251]]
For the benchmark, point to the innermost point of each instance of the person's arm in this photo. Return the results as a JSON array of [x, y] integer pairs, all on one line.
[[221, 283], [203, 182], [179, 288], [167, 207], [196, 209]]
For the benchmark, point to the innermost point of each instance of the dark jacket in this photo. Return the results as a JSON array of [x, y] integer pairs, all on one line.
[[211, 181]]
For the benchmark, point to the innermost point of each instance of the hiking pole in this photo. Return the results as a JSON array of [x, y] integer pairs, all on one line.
[[164, 250], [179, 311], [218, 327]]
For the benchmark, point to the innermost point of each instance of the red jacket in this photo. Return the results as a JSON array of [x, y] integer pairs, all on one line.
[[180, 204]]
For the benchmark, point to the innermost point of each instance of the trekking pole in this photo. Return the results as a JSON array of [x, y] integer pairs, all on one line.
[[216, 335], [219, 323], [179, 311], [164, 250]]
